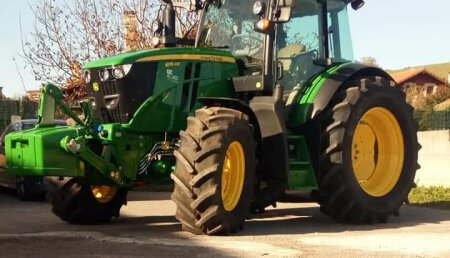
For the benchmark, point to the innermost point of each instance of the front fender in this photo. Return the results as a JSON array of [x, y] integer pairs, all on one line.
[[266, 115], [233, 104]]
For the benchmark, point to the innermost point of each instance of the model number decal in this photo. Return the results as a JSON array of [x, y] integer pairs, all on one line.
[[173, 64]]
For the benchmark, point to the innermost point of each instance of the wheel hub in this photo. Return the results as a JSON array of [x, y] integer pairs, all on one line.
[[378, 152], [104, 193], [233, 172]]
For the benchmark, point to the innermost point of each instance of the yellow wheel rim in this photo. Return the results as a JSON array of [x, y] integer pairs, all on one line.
[[378, 152], [104, 193], [233, 172]]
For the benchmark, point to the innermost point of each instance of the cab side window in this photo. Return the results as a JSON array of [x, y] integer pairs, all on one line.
[[340, 40], [299, 45]]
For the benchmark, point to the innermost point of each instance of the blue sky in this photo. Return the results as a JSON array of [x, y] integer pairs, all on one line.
[[398, 33]]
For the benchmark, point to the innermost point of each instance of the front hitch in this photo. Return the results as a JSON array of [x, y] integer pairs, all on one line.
[[50, 150]]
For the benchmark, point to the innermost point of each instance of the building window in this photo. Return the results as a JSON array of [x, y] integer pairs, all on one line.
[[430, 88], [407, 86]]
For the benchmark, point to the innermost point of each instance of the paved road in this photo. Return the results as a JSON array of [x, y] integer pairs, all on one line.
[[147, 228]]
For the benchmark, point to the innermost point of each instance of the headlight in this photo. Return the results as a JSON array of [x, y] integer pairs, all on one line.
[[259, 8], [87, 76], [104, 75], [119, 72]]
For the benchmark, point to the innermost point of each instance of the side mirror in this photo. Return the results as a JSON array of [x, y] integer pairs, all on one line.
[[286, 3], [284, 11]]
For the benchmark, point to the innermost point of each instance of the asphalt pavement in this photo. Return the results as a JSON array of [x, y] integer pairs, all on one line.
[[147, 228]]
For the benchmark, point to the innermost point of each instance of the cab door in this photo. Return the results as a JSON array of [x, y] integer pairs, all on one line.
[[300, 45]]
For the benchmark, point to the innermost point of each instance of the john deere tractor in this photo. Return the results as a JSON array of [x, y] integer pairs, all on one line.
[[266, 101]]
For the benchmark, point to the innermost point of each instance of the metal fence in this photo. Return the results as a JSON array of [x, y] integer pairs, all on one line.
[[433, 120], [24, 109]]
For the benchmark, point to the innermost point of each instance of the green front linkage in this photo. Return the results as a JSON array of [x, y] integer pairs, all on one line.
[[105, 154]]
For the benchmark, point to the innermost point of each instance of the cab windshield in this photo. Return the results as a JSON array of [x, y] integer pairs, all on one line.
[[231, 27]]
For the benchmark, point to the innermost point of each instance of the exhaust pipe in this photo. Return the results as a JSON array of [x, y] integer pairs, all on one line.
[[168, 20]]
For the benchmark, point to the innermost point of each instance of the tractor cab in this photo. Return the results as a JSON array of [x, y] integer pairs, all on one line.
[[313, 35]]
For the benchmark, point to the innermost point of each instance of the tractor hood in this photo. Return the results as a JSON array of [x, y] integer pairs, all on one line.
[[161, 55], [120, 84]]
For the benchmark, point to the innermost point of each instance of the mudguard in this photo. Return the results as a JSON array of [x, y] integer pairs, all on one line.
[[267, 115], [315, 97]]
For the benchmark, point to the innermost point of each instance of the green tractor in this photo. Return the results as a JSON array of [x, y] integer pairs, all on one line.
[[266, 101]]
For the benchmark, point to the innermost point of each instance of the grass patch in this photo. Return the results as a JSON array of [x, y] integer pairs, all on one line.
[[432, 197]]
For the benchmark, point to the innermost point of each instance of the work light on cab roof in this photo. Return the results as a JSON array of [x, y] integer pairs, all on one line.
[[259, 8]]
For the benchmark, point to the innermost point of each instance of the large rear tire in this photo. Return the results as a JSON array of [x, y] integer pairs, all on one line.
[[215, 172], [73, 201], [369, 155]]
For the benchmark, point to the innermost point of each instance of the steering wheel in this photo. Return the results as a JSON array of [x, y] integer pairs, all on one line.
[[238, 40]]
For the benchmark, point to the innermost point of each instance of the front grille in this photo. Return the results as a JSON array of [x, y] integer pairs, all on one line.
[[117, 100], [109, 88]]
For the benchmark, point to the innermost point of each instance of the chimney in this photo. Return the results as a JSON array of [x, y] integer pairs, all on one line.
[[1, 91]]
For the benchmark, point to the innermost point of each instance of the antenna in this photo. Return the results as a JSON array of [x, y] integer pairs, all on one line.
[[20, 75], [14, 59]]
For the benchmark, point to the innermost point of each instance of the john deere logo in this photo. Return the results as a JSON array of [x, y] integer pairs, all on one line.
[[95, 86]]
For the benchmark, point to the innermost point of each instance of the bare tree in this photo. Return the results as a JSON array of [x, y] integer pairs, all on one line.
[[368, 60], [70, 33]]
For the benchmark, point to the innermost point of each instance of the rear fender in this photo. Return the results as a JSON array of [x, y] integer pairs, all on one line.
[[317, 95]]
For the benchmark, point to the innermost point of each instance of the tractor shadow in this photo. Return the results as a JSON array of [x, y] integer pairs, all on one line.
[[304, 220], [7, 191], [140, 195], [151, 215], [289, 218]]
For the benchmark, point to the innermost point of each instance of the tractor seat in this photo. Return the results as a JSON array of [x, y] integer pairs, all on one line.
[[286, 55]]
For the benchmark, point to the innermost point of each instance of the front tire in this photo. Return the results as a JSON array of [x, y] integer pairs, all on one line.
[[30, 188], [215, 172], [73, 201], [369, 155]]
